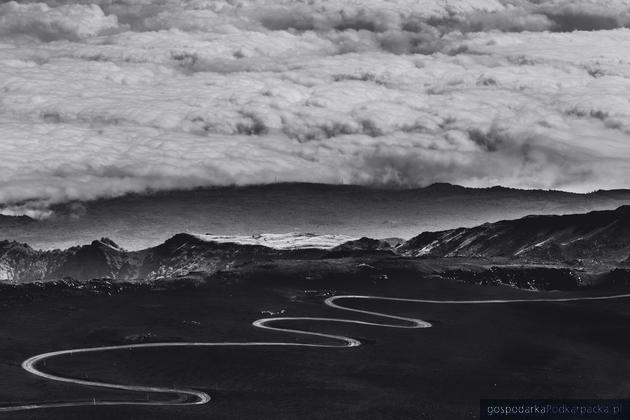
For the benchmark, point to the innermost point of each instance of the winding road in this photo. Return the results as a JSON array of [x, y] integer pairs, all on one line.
[[193, 397]]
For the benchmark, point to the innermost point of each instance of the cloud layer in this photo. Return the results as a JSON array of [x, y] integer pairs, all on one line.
[[105, 97]]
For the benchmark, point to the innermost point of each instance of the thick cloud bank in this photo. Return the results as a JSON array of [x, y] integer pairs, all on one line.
[[104, 97]]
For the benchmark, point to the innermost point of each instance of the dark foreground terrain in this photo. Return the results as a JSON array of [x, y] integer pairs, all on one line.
[[516, 350]]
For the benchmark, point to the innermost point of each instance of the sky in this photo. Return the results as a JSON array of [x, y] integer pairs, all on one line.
[[99, 98]]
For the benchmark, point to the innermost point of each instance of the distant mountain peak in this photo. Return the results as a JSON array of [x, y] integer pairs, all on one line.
[[107, 242], [179, 240], [443, 187]]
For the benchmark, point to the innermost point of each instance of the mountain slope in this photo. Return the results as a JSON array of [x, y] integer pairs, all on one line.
[[179, 255], [140, 221], [596, 236]]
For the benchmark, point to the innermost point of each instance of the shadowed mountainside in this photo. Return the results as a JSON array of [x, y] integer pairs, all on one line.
[[179, 255], [140, 221], [599, 236], [594, 239]]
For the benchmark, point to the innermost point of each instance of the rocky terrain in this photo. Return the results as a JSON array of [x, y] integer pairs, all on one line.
[[578, 247], [138, 221], [595, 238], [103, 258]]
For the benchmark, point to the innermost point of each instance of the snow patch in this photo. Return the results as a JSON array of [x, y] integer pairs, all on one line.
[[292, 240], [536, 245]]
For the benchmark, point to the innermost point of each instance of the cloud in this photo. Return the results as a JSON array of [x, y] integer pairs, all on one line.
[[587, 15], [100, 99], [72, 22]]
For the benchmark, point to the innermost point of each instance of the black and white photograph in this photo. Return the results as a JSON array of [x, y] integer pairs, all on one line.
[[314, 209]]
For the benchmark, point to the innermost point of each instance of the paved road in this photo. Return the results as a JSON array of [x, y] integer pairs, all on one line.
[[192, 397]]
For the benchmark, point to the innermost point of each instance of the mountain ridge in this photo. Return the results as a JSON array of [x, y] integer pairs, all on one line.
[[179, 255], [595, 236], [598, 238], [140, 221]]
